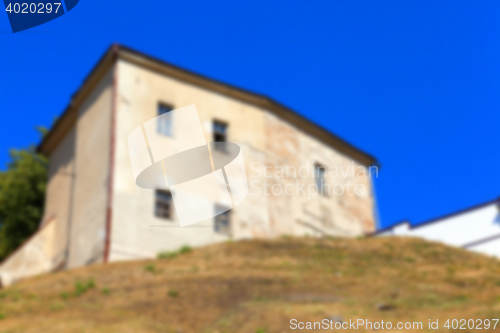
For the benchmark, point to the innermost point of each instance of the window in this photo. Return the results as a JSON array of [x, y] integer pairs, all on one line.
[[319, 176], [220, 135], [164, 206], [165, 122], [220, 131], [222, 221]]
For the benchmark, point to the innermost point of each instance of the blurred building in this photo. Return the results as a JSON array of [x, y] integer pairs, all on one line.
[[476, 229], [96, 213]]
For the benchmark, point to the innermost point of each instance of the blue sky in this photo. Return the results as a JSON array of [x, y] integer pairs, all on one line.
[[415, 83]]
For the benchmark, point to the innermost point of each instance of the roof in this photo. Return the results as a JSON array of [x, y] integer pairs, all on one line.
[[437, 219], [115, 52]]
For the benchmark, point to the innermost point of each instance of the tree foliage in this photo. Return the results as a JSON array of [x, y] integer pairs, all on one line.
[[22, 196]]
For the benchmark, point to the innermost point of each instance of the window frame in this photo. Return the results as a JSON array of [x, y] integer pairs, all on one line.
[[168, 131], [215, 132], [225, 230], [159, 203], [223, 124], [320, 182]]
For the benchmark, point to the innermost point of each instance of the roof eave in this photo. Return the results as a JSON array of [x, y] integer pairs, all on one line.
[[116, 51], [68, 118]]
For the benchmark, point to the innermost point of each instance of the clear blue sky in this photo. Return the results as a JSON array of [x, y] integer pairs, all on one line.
[[415, 83]]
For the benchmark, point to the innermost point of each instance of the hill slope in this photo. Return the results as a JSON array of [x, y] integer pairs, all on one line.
[[259, 286]]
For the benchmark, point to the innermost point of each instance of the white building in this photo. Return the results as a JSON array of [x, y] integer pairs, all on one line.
[[476, 228], [96, 213]]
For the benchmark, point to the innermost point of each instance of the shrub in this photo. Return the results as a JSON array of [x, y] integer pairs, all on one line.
[[167, 255], [22, 196], [185, 249], [170, 255], [81, 287]]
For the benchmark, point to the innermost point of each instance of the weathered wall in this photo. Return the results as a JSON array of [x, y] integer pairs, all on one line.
[[75, 205], [265, 141], [59, 194], [342, 212], [136, 232], [90, 193], [32, 258]]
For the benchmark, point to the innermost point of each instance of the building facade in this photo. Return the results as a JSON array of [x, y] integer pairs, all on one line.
[[95, 212]]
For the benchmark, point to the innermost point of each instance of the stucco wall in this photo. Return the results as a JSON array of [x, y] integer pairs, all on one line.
[[59, 194], [32, 258], [490, 247], [87, 222], [265, 141], [77, 189], [342, 212]]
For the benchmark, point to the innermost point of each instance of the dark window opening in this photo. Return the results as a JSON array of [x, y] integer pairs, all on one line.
[[220, 134], [222, 221], [164, 123], [319, 175], [220, 131], [164, 207]]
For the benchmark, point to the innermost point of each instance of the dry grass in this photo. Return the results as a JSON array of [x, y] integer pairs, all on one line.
[[258, 286]]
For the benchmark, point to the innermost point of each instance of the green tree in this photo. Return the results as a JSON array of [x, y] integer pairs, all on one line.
[[22, 196]]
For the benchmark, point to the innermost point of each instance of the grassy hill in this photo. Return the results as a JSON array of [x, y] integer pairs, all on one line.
[[259, 286]]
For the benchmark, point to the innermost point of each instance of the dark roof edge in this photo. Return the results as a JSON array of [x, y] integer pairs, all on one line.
[[118, 51], [481, 241], [68, 117]]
